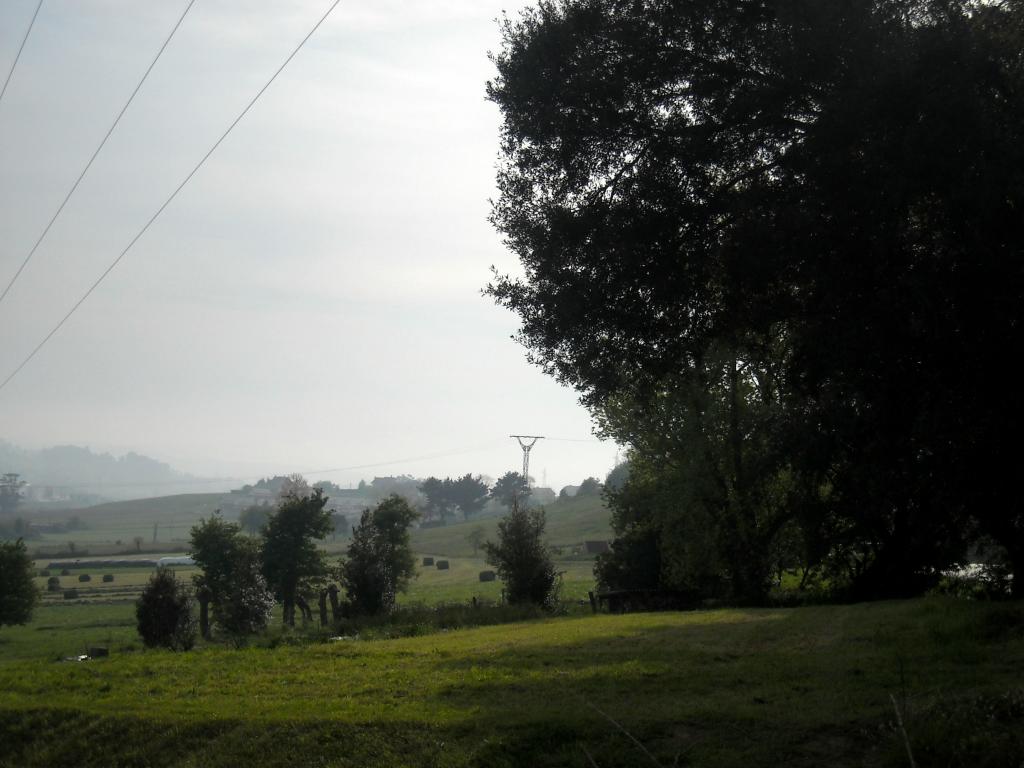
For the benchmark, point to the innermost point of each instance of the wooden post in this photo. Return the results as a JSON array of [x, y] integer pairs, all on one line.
[[593, 600]]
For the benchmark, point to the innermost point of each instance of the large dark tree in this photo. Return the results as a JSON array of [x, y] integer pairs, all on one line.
[[509, 489], [469, 494], [827, 190]]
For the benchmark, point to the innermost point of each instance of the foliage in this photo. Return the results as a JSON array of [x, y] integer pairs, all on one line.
[[380, 561], [590, 487], [10, 492], [292, 561], [510, 488], [438, 498], [163, 613], [18, 593], [522, 558], [469, 494], [254, 517], [476, 538], [759, 202]]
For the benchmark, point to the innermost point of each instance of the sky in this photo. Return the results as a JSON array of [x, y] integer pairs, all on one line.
[[311, 300]]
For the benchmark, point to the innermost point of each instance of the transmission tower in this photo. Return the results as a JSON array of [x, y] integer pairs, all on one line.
[[526, 442]]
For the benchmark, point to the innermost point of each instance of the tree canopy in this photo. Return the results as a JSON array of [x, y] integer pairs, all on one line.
[[18, 593], [777, 249]]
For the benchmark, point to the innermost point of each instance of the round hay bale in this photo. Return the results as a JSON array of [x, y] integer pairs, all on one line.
[[85, 577], [65, 572], [442, 565], [108, 577], [70, 594], [428, 561], [487, 576]]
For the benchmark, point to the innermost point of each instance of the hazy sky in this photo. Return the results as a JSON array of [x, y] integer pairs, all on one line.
[[312, 298]]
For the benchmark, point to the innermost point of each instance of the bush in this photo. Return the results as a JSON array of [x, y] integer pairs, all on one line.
[[65, 572], [53, 584], [70, 594], [442, 565], [107, 578], [84, 577], [164, 613], [522, 559]]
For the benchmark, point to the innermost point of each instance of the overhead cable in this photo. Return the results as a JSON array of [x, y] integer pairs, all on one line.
[[88, 165], [20, 49], [166, 202]]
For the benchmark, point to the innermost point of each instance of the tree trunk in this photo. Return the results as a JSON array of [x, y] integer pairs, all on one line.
[[204, 613], [288, 611], [322, 605], [332, 593]]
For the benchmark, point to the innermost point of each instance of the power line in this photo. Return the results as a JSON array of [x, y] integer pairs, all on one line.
[[88, 165], [167, 202], [20, 49]]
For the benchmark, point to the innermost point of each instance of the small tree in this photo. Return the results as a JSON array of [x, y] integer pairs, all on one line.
[[231, 579], [292, 562], [522, 559], [476, 538], [254, 517], [164, 613], [246, 606], [380, 561], [510, 489], [469, 494], [18, 593]]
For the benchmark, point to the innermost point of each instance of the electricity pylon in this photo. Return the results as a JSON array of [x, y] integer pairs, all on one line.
[[526, 446]]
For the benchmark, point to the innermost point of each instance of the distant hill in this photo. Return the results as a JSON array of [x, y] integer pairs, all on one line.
[[70, 475], [570, 522]]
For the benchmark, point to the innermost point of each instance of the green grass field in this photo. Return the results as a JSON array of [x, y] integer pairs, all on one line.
[[757, 687]]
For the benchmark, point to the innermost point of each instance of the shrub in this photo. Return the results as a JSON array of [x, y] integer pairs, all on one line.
[[65, 572], [164, 613], [70, 594], [442, 565], [107, 578], [53, 584], [84, 577], [522, 559]]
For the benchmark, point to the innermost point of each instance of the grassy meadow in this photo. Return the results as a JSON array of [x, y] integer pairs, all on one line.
[[753, 687]]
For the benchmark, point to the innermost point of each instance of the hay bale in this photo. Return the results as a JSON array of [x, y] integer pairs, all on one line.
[[442, 565], [98, 653], [108, 577], [65, 572], [85, 577], [487, 576], [70, 594], [428, 561]]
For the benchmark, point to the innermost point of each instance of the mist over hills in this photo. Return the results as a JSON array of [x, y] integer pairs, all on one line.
[[71, 473]]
